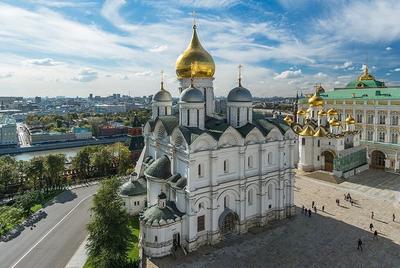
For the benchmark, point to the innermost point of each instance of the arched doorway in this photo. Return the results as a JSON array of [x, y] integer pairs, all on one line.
[[328, 164], [228, 222], [378, 159]]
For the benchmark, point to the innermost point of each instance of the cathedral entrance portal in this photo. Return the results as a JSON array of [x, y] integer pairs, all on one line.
[[228, 222], [328, 166], [378, 159]]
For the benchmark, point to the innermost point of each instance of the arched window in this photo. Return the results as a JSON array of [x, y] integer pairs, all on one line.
[[248, 114], [225, 166], [269, 193], [381, 136], [250, 161], [188, 117], [270, 160], [394, 137], [158, 111], [226, 201], [250, 197], [165, 110], [201, 206], [198, 117], [237, 116], [200, 171]]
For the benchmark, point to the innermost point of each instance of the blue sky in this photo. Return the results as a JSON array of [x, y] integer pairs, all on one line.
[[73, 48]]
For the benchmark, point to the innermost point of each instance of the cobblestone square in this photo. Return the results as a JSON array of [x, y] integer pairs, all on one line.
[[326, 239]]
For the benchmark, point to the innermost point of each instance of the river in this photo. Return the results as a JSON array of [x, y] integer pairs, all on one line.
[[69, 152]]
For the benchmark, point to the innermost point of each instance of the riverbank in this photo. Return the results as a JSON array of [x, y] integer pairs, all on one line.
[[61, 145]]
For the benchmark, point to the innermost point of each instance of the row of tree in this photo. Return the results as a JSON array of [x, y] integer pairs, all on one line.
[[53, 172]]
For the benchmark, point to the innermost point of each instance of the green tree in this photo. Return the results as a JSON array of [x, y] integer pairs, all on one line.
[[102, 161], [81, 162], [8, 173], [122, 155], [27, 200], [55, 166], [35, 171], [109, 234]]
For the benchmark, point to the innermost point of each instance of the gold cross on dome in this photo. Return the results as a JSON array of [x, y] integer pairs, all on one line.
[[240, 74], [194, 19]]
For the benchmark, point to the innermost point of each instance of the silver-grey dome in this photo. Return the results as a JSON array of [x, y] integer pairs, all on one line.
[[162, 96], [192, 95], [240, 94]]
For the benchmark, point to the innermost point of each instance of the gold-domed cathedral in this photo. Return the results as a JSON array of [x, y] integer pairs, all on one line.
[[208, 175], [324, 142], [196, 64]]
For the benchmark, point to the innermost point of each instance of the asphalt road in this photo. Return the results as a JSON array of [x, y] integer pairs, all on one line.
[[55, 238]]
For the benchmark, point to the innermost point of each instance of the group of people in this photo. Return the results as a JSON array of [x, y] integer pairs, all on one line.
[[306, 211], [347, 197]]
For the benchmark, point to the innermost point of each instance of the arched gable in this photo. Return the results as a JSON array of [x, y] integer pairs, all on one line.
[[254, 136], [178, 140], [290, 134], [147, 128], [159, 130], [274, 135], [203, 142], [230, 137]]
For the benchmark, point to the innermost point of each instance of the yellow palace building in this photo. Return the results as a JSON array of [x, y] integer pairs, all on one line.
[[375, 109]]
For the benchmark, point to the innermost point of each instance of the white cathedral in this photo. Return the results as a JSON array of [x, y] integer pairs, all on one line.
[[208, 175]]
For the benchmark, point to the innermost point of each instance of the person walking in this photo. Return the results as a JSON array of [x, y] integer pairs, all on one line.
[[372, 214], [302, 210], [323, 209], [394, 217], [371, 226], [359, 244], [309, 213], [315, 209], [376, 235], [312, 204]]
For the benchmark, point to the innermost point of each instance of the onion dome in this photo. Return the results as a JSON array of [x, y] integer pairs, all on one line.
[[334, 122], [192, 95], [162, 95], [196, 55], [321, 113], [307, 131], [350, 120], [159, 169], [240, 94], [316, 100], [320, 132], [301, 112], [365, 75], [288, 119], [332, 112], [134, 187]]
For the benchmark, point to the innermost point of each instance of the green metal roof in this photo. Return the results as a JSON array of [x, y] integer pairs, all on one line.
[[134, 187], [365, 84], [160, 168], [155, 213]]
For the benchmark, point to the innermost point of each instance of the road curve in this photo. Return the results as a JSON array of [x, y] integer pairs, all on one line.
[[55, 238]]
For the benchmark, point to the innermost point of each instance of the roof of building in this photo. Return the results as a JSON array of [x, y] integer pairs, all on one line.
[[162, 95], [240, 94], [155, 215], [192, 95], [160, 168], [134, 187]]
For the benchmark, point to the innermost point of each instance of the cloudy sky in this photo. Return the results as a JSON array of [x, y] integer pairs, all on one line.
[[73, 48]]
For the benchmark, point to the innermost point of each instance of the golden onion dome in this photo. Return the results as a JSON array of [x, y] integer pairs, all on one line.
[[195, 60], [320, 132], [334, 122], [307, 131], [321, 113], [365, 75], [288, 119], [350, 120], [332, 112], [316, 100], [301, 112]]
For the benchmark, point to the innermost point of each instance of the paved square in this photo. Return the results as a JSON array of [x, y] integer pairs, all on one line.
[[327, 239]]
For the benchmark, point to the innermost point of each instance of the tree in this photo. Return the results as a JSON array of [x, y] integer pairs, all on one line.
[[9, 175], [109, 234], [35, 171], [81, 162], [122, 156], [55, 166], [102, 161], [27, 200]]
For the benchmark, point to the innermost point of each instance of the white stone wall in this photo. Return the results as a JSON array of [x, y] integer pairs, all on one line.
[[134, 204], [161, 109]]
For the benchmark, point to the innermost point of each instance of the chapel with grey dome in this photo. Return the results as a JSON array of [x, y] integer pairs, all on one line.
[[209, 175]]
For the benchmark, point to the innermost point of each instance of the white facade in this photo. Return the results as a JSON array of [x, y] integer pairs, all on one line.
[[134, 204]]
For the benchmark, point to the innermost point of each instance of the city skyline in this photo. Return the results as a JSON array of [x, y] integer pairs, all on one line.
[[74, 48]]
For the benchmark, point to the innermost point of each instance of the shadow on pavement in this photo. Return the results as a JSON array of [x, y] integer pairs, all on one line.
[[62, 198], [319, 241], [377, 179]]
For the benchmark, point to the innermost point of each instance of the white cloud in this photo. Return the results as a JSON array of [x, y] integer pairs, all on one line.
[[86, 75], [288, 74], [62, 4], [158, 48], [345, 65], [388, 48], [43, 62], [6, 75], [320, 75], [354, 21], [397, 70]]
